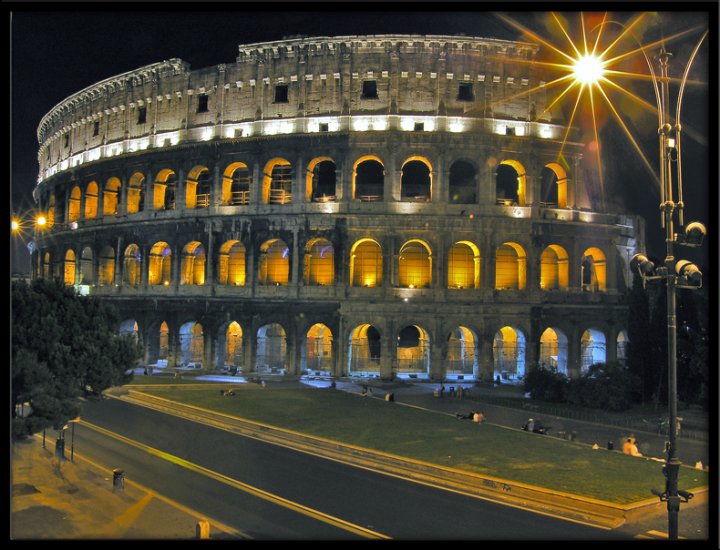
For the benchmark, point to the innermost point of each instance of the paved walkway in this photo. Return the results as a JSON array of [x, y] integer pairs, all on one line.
[[76, 500]]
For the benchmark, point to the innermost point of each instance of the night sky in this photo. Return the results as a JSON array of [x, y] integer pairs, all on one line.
[[57, 53]]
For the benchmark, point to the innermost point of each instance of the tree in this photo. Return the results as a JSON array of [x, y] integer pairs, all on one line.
[[64, 346]]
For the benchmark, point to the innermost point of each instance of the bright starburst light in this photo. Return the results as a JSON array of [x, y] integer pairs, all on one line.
[[596, 56]]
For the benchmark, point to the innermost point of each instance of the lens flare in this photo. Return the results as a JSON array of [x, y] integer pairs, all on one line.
[[588, 69]]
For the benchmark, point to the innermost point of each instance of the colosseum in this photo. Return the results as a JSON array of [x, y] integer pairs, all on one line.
[[389, 206]]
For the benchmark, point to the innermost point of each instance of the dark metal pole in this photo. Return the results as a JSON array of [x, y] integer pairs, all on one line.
[[72, 443], [673, 464]]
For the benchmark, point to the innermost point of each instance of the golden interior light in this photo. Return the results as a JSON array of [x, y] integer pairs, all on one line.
[[588, 69], [41, 220]]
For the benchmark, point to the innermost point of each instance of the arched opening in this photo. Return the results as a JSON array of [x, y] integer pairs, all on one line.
[[554, 268], [413, 351], [47, 266], [91, 200], [192, 345], [320, 183], [236, 184], [271, 349], [509, 354], [366, 264], [73, 212], [415, 265], [510, 183], [277, 182], [69, 268], [554, 350], [416, 180], [464, 266], [129, 327], [621, 344], [510, 267], [364, 351], [160, 264], [192, 265], [51, 211], [231, 264], [165, 190], [136, 193], [230, 348], [198, 188], [319, 265], [463, 183], [86, 267], [274, 264], [131, 265], [110, 197], [461, 357], [317, 355], [594, 270], [368, 179], [553, 186], [592, 349], [106, 268]]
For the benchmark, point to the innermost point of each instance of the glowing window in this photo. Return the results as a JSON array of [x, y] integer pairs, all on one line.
[[69, 268], [594, 270], [277, 182], [413, 350], [319, 268], [159, 264], [461, 354], [231, 264], [236, 185], [131, 265], [135, 193], [110, 197], [274, 266], [364, 350], [592, 349], [86, 267], [366, 264], [73, 213], [91, 201], [163, 344], [463, 266], [318, 348], [414, 265], [106, 268], [164, 190], [510, 183], [192, 266], [554, 268], [553, 350], [234, 345], [509, 353], [510, 265], [271, 349]]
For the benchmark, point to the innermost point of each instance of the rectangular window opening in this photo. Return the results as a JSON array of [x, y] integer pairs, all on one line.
[[419, 126], [202, 106], [142, 115], [465, 92], [369, 89], [281, 93], [96, 128]]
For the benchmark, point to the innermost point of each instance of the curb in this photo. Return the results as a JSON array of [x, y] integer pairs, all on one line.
[[571, 507]]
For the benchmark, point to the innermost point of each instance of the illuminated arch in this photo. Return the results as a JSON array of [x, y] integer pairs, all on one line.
[[509, 353], [69, 268], [47, 266], [317, 352], [368, 178], [277, 182], [111, 196], [106, 267], [236, 184], [192, 264], [50, 220], [463, 265], [198, 188], [553, 186], [131, 265], [271, 349], [129, 327], [73, 213], [416, 179], [594, 270], [461, 356], [413, 350], [164, 190], [592, 349], [233, 345], [135, 193], [274, 264], [192, 343], [554, 350], [510, 267], [510, 183], [415, 265], [554, 268], [231, 263], [320, 180], [366, 263], [364, 349], [621, 343], [91, 200], [160, 264], [319, 264]]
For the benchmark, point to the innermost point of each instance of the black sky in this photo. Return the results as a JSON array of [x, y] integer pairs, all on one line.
[[59, 49]]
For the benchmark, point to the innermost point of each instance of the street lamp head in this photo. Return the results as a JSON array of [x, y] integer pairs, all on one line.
[[14, 225], [642, 265], [694, 234], [690, 272], [41, 221], [588, 69]]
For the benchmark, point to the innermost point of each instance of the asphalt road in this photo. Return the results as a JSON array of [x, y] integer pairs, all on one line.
[[269, 492]]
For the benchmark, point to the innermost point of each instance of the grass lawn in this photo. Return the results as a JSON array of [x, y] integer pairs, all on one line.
[[437, 438]]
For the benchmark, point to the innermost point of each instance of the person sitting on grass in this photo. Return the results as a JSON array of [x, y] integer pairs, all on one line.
[[468, 416]]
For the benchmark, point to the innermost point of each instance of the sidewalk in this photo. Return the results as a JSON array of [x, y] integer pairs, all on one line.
[[75, 500]]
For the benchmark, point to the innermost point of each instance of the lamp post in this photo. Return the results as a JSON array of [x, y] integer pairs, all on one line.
[[682, 274]]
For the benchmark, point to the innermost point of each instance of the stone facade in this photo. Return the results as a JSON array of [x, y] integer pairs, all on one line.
[[366, 206]]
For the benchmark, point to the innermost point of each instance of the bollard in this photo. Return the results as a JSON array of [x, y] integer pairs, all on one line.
[[202, 529], [118, 480], [610, 445]]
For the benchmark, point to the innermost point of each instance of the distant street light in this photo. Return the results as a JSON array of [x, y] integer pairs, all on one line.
[[682, 274]]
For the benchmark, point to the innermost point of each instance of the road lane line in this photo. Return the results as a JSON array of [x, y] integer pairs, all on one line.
[[255, 491]]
